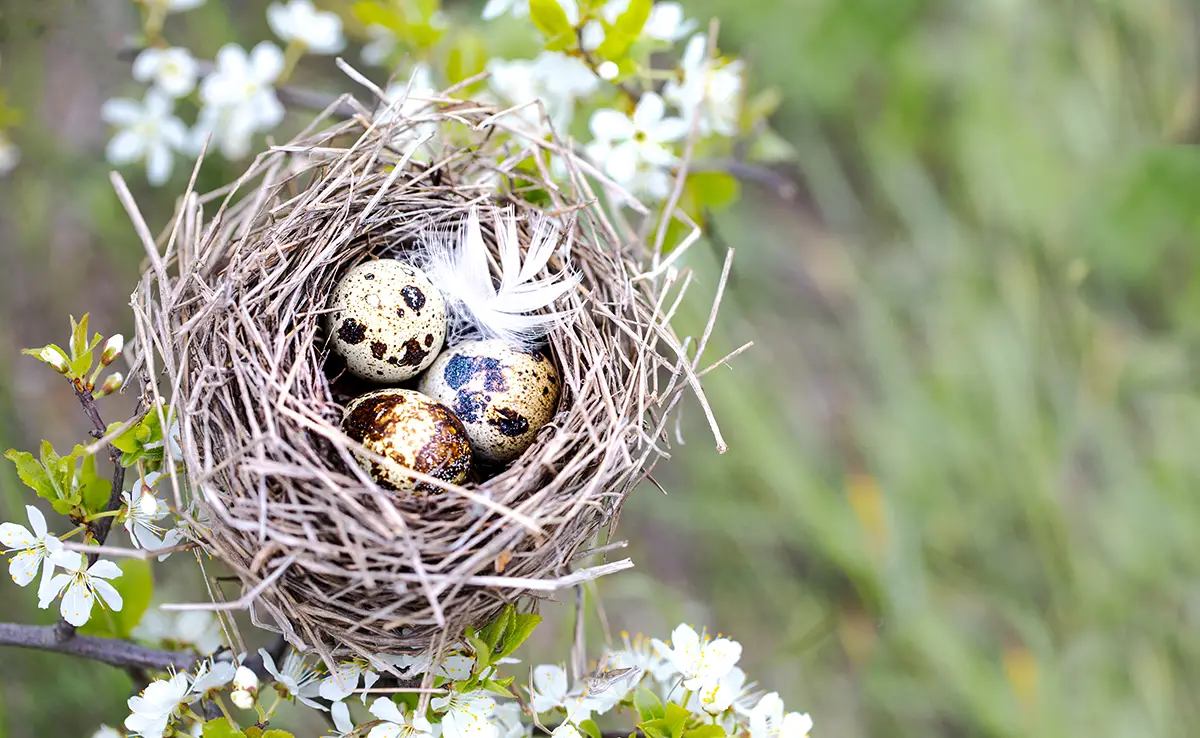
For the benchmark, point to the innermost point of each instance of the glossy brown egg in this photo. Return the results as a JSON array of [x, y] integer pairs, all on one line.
[[410, 431]]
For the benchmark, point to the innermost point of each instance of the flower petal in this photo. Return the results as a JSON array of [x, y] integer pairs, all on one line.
[[649, 111], [50, 589], [121, 112], [611, 125], [266, 62], [387, 730], [16, 536], [341, 717], [69, 560], [37, 520], [77, 604], [124, 147], [384, 709], [104, 569], [111, 596], [24, 567], [670, 129]]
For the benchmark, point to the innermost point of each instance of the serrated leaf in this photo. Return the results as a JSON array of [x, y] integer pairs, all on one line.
[[495, 630], [82, 364], [590, 729], [522, 627], [709, 730], [670, 725], [498, 687], [78, 343], [620, 35], [483, 654], [32, 474], [648, 705], [654, 729], [550, 18], [709, 191], [221, 728], [276, 734], [375, 13]]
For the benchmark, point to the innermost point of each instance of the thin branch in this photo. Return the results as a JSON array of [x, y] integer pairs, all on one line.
[[105, 650], [99, 529]]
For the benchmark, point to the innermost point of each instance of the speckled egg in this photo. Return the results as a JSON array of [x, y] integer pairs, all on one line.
[[388, 321], [503, 393], [411, 431]]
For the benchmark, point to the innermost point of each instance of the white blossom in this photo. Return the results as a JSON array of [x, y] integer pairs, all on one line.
[[636, 150], [456, 666], [210, 676], [157, 706], [345, 680], [708, 89], [10, 155], [79, 585], [33, 548], [509, 721], [243, 699], [197, 630], [719, 695], [699, 660], [173, 70], [319, 31], [340, 714], [245, 678], [106, 732], [143, 510], [639, 652], [549, 689], [555, 79], [380, 46], [146, 130], [767, 720], [396, 723], [296, 677], [466, 715], [239, 100]]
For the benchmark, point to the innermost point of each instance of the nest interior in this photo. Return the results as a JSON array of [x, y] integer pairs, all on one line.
[[231, 337]]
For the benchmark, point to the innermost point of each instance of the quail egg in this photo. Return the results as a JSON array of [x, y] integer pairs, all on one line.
[[388, 321], [503, 393], [411, 431]]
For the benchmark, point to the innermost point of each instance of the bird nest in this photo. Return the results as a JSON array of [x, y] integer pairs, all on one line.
[[231, 339]]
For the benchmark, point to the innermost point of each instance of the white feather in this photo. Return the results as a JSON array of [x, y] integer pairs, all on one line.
[[517, 304]]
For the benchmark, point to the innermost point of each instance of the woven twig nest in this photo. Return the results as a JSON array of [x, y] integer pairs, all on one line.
[[231, 334]]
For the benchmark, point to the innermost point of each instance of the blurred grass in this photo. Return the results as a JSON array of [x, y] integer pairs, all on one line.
[[960, 498]]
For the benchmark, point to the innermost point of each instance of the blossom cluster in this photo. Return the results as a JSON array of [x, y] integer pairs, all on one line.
[[695, 675], [594, 82]]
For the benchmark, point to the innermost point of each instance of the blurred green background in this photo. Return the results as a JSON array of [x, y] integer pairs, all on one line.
[[961, 495]]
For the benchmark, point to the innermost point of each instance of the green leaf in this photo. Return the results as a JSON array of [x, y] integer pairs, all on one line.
[[32, 474], [277, 734], [78, 337], [619, 36], [522, 627], [467, 58], [590, 729], [768, 147], [221, 728], [496, 629], [550, 18], [136, 587], [483, 654], [763, 105], [670, 725], [499, 687], [709, 191], [707, 730], [82, 364], [648, 705], [95, 489]]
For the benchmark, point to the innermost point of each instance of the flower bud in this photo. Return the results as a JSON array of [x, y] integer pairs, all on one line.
[[112, 383], [54, 358], [112, 349], [242, 699], [244, 679], [608, 70]]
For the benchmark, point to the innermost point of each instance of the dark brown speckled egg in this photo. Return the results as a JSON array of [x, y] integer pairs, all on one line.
[[411, 431], [388, 321], [503, 393]]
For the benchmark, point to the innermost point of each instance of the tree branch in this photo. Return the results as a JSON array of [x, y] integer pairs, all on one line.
[[109, 651], [64, 631]]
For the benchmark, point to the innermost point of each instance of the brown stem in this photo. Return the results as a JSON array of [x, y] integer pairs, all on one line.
[[105, 650], [99, 529]]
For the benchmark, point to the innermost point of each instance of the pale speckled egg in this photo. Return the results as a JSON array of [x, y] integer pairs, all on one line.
[[410, 431], [502, 393], [388, 321]]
